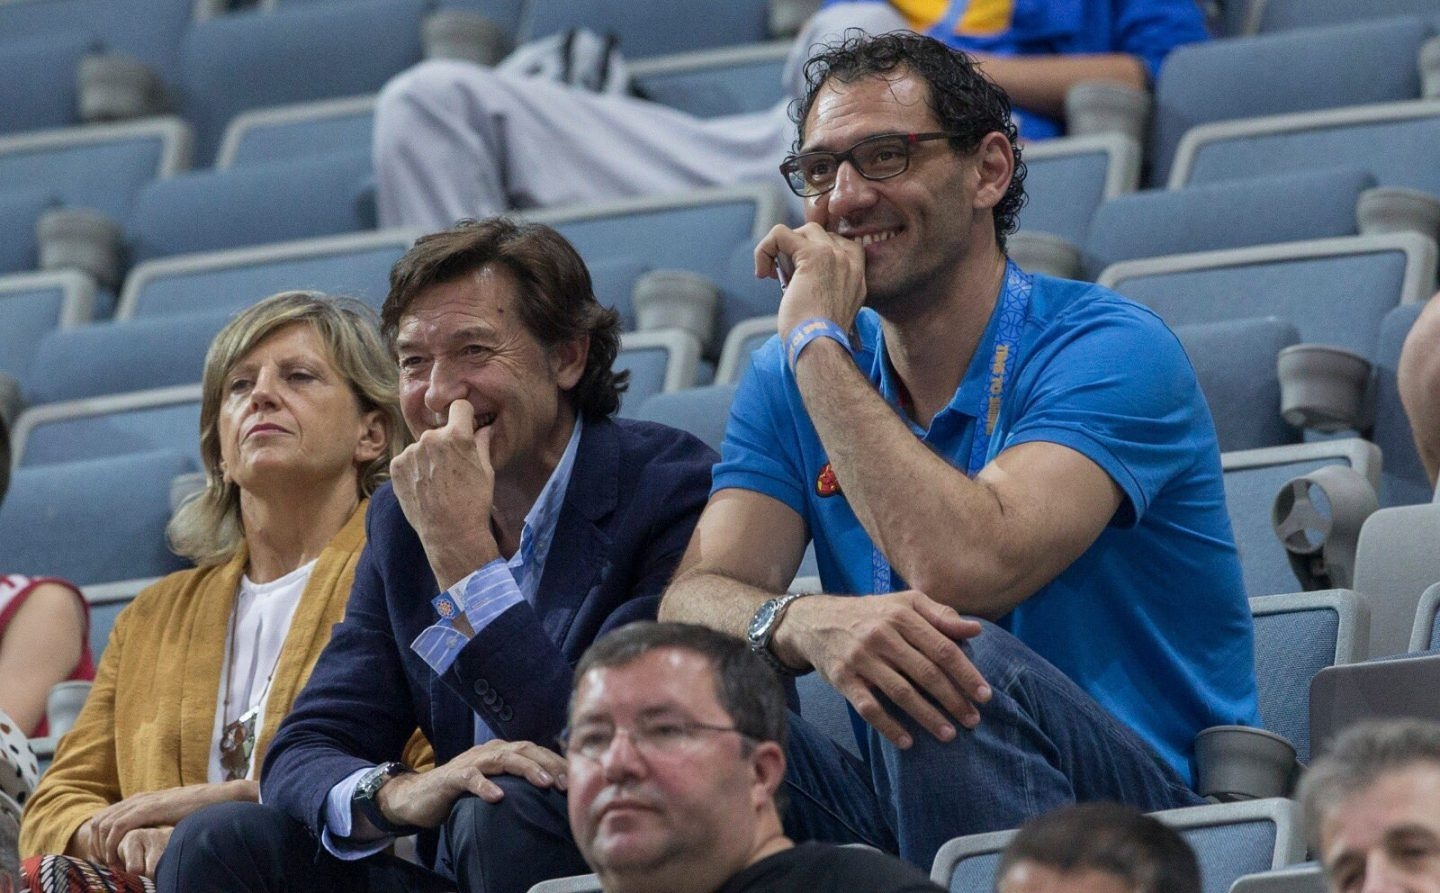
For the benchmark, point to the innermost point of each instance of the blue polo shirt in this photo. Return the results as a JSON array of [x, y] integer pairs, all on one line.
[[1152, 620], [1149, 29]]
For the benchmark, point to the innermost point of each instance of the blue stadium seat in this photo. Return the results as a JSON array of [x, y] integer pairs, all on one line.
[[1296, 636], [95, 427], [1235, 363], [743, 339], [282, 133], [707, 83], [1318, 68], [1404, 481], [1230, 840], [107, 600], [117, 357], [709, 232], [99, 166], [356, 265], [94, 521], [1393, 141], [1252, 480], [37, 80], [702, 411], [1068, 179], [248, 60], [150, 30], [19, 211], [32, 305], [1283, 15], [1334, 291], [1232, 214], [651, 27], [659, 361], [254, 205]]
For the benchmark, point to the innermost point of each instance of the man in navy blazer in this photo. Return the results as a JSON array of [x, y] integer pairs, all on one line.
[[522, 524]]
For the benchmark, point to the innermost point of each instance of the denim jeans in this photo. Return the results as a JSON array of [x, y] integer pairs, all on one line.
[[1042, 742]]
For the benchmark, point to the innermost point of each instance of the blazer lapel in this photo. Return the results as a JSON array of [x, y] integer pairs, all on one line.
[[578, 557]]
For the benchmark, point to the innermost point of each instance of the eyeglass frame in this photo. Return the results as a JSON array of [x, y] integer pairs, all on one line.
[[645, 750], [909, 140]]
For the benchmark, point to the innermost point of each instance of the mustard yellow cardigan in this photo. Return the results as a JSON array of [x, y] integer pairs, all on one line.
[[148, 722]]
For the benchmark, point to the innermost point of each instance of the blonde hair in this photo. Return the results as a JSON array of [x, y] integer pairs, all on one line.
[[207, 528]]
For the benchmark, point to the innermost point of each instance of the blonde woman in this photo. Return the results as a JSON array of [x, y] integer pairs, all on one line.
[[298, 425]]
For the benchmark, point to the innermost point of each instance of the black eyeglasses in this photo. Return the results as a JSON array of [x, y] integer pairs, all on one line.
[[875, 158], [651, 737]]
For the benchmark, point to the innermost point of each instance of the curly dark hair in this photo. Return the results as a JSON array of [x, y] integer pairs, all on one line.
[[556, 300], [966, 102]]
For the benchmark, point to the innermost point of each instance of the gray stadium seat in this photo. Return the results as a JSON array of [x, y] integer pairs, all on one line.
[[727, 81], [1319, 68], [1397, 687], [1286, 207], [1395, 562], [1252, 480], [1296, 636], [1235, 363], [137, 422], [356, 265], [1230, 840], [93, 521], [257, 204], [282, 133], [659, 361], [1334, 291], [247, 60], [1425, 635], [702, 411], [1393, 141], [1306, 877]]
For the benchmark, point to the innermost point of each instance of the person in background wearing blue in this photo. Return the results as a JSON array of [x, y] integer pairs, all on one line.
[[961, 439], [454, 139]]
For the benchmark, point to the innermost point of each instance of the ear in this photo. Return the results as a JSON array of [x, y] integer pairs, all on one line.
[[768, 760], [994, 166], [374, 435], [567, 361]]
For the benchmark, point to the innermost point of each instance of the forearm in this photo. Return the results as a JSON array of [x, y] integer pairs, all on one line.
[[713, 600], [945, 534], [1040, 83]]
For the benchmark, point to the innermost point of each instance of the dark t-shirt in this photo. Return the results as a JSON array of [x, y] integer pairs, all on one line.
[[826, 868]]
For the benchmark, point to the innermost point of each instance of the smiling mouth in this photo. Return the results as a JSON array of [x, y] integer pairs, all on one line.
[[873, 238]]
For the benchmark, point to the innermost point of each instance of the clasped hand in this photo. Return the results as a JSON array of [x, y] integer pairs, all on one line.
[[902, 645]]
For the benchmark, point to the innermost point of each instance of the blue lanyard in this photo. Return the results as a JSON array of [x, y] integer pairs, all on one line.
[[1014, 307]]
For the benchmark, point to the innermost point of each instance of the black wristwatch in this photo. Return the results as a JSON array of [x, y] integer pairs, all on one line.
[[762, 631], [364, 798]]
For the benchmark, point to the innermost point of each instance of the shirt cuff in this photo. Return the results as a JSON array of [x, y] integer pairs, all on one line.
[[483, 596], [335, 836]]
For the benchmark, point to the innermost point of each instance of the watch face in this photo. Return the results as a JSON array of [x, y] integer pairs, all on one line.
[[761, 621]]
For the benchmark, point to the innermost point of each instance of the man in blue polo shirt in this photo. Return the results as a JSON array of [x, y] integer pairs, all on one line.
[[976, 443]]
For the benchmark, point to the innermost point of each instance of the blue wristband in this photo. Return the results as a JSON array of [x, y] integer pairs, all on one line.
[[808, 330]]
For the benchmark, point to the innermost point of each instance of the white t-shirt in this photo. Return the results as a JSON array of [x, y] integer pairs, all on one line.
[[263, 612]]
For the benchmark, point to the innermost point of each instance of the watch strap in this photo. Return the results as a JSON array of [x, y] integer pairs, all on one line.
[[366, 798], [764, 644]]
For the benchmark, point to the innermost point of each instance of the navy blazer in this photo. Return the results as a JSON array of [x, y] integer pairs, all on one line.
[[635, 494]]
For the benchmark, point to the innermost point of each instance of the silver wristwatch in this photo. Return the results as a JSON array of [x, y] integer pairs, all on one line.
[[762, 631]]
